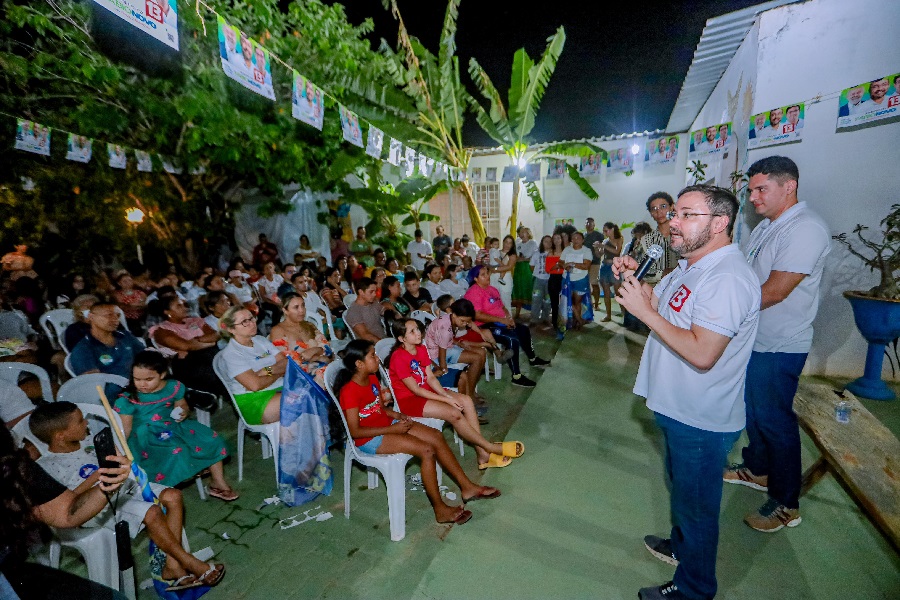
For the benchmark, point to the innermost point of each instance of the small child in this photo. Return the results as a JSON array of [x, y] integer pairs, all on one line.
[[170, 448], [73, 462], [496, 259]]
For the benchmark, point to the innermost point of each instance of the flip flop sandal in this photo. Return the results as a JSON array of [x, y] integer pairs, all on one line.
[[495, 460], [483, 496], [224, 495], [185, 582], [461, 517], [513, 449], [213, 575]]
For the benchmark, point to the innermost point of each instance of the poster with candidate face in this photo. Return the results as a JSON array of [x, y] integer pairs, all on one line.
[[32, 137], [777, 126], [556, 168], [714, 139], [245, 61], [620, 160], [870, 101], [589, 166], [307, 102], [661, 151], [350, 126], [410, 159], [533, 172], [117, 158], [490, 174], [78, 148], [395, 152], [144, 162], [157, 18], [375, 142]]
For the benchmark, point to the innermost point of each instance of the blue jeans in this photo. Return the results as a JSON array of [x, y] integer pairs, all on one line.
[[694, 462], [772, 428]]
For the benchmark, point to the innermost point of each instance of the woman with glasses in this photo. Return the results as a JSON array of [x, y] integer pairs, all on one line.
[[254, 367]]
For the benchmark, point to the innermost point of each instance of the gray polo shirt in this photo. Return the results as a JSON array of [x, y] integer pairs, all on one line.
[[368, 315]]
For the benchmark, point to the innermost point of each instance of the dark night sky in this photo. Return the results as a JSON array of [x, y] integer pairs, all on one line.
[[621, 69]]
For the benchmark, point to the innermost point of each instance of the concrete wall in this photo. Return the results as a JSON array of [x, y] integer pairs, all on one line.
[[809, 52]]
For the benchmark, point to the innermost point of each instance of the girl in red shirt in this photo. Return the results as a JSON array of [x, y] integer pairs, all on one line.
[[378, 430], [420, 394]]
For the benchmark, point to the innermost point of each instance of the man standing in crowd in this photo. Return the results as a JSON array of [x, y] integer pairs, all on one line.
[[419, 252], [704, 318], [264, 252], [593, 240], [441, 243], [787, 252], [659, 205], [364, 315]]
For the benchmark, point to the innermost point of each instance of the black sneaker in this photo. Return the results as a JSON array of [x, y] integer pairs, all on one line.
[[537, 361], [666, 591], [661, 549], [522, 381]]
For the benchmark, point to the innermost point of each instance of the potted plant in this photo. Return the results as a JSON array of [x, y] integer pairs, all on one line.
[[877, 311]]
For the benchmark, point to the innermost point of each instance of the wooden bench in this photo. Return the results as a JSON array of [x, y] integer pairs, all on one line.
[[863, 454]]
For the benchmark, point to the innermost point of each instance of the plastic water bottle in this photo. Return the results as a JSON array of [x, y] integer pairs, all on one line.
[[842, 412]]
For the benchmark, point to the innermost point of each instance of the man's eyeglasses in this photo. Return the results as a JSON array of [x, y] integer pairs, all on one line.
[[686, 216]]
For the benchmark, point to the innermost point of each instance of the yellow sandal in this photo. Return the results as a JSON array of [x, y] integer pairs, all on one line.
[[495, 460]]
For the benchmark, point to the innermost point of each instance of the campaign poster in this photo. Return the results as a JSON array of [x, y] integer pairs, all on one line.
[[490, 174], [307, 102], [395, 152], [158, 18], [475, 176], [245, 61], [117, 158], [410, 160], [871, 101], [563, 223], [533, 172], [556, 168], [374, 142], [714, 139], [440, 169], [169, 166], [144, 162], [777, 126], [510, 173], [429, 167], [32, 137], [350, 126], [461, 175], [78, 148], [620, 160], [589, 166], [422, 162], [661, 151]]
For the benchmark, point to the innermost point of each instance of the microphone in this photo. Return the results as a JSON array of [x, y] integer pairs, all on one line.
[[654, 252]]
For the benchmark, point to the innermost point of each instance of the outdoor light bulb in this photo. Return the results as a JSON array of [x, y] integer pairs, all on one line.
[[635, 149], [522, 162], [134, 215]]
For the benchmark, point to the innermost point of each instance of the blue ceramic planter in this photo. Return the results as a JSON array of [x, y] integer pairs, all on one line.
[[878, 321]]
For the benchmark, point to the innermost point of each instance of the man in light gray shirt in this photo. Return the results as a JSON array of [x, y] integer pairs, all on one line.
[[787, 252]]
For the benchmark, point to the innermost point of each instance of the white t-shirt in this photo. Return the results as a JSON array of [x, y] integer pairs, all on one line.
[[719, 293], [269, 289], [796, 242], [457, 289], [243, 293], [240, 359], [433, 288], [539, 262], [527, 249], [414, 249], [570, 254]]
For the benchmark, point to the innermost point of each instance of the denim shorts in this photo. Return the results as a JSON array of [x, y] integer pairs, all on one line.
[[450, 379], [371, 447]]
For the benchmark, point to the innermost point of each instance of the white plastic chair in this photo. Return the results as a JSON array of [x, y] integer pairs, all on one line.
[[382, 350], [349, 299], [67, 363], [422, 316], [270, 432], [98, 547], [391, 466], [83, 388], [54, 323], [11, 371]]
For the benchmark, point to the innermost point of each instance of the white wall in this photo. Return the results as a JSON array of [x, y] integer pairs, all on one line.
[[808, 53]]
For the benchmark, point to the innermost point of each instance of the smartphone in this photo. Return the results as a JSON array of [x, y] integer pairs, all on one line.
[[104, 446]]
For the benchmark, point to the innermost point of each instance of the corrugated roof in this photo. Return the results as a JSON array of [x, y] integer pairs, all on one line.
[[484, 150], [719, 41]]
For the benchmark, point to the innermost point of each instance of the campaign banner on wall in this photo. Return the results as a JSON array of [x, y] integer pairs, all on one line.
[[556, 168], [117, 158], [32, 137], [661, 151], [533, 172], [475, 175], [714, 139], [78, 148], [144, 162], [777, 126], [244, 60], [350, 126], [510, 172], [395, 152], [307, 102], [374, 142], [871, 101], [158, 18], [490, 174], [620, 160], [589, 166]]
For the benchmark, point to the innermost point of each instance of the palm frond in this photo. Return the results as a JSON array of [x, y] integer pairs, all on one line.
[[538, 80], [532, 190], [489, 91], [522, 64], [581, 182], [578, 149]]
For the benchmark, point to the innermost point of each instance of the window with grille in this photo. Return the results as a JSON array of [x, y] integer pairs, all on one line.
[[487, 200]]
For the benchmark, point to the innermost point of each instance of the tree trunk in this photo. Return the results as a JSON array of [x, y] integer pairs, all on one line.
[[514, 217], [478, 232]]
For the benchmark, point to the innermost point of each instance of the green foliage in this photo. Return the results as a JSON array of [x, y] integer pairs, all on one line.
[[581, 182]]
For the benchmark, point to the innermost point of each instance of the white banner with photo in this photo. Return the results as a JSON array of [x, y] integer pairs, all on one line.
[[157, 18]]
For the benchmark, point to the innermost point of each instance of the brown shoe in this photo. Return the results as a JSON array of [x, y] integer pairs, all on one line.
[[741, 475], [773, 516]]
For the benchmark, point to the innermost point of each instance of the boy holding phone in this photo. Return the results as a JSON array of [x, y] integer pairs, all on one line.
[[73, 462]]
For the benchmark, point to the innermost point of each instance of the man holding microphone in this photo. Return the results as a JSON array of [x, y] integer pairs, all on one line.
[[703, 318]]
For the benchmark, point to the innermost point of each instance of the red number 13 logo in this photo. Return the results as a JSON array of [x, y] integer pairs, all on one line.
[[679, 298], [153, 10]]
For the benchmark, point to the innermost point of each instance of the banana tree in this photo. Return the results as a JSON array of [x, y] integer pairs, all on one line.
[[433, 83], [511, 123]]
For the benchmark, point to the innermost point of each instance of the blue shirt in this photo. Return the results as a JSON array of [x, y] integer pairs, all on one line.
[[91, 353]]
